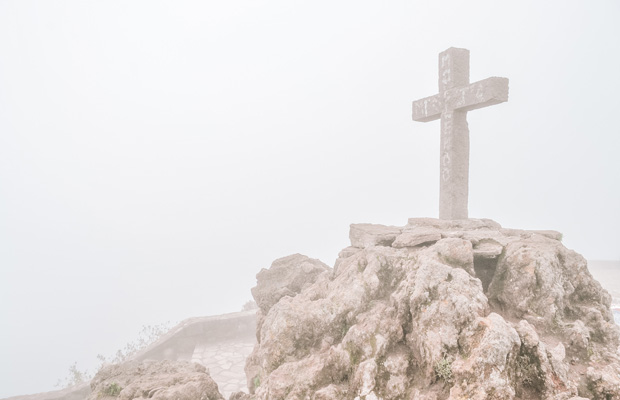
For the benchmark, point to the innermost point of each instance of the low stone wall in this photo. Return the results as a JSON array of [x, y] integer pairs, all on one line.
[[179, 343]]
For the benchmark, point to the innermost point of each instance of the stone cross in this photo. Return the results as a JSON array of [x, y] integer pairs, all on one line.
[[456, 96]]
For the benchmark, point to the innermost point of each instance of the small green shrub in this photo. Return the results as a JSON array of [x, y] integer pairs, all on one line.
[[113, 389], [529, 372], [590, 351], [526, 370], [256, 381], [443, 369]]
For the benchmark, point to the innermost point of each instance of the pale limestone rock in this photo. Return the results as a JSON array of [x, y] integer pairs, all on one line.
[[540, 368], [528, 335], [489, 364], [368, 235], [488, 248], [604, 382], [547, 281], [482, 313], [457, 253], [476, 237], [471, 224], [344, 254], [559, 366], [239, 396], [578, 337], [348, 252], [416, 237], [287, 276], [554, 235], [157, 380], [331, 392], [365, 377]]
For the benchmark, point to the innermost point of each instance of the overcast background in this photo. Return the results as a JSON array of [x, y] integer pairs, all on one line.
[[154, 156]]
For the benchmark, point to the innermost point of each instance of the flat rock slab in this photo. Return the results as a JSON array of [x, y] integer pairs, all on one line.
[[416, 237], [488, 249], [485, 235], [526, 234], [368, 235], [458, 224]]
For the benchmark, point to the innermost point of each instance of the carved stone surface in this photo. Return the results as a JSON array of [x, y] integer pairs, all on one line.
[[455, 98]]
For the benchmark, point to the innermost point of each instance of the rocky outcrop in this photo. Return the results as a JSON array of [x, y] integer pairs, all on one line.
[[435, 310], [286, 277], [157, 380]]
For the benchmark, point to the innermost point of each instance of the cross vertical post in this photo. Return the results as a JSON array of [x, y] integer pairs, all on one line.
[[454, 139], [456, 97]]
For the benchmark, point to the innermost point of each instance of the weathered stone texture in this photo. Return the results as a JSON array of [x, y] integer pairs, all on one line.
[[477, 312], [416, 236], [157, 380], [368, 235], [286, 277]]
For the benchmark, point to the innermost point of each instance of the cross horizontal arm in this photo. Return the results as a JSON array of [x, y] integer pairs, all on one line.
[[465, 98], [478, 94], [428, 108]]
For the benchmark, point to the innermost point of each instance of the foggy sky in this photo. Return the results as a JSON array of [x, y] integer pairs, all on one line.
[[155, 155]]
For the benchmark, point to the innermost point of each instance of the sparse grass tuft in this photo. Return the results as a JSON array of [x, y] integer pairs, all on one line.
[[149, 334], [113, 390], [443, 369]]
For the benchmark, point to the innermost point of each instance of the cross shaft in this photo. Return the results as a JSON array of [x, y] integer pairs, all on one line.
[[455, 98]]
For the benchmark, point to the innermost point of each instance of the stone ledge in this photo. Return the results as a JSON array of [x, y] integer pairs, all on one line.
[[456, 224], [416, 236], [368, 235], [420, 231]]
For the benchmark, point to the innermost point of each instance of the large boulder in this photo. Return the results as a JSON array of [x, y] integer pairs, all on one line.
[[157, 380], [287, 276], [440, 310]]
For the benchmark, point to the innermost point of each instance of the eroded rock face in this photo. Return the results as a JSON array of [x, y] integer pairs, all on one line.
[[286, 277], [441, 309], [157, 380]]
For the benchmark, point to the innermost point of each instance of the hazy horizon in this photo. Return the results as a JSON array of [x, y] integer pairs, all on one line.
[[154, 156]]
